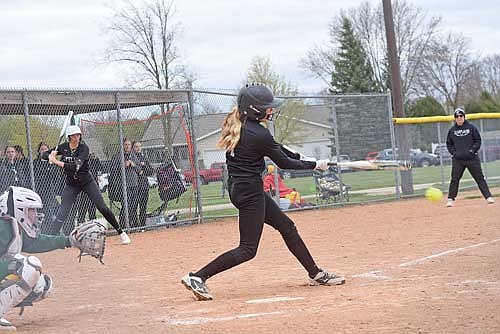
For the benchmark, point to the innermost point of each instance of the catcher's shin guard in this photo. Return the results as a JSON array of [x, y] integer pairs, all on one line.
[[26, 271], [41, 291]]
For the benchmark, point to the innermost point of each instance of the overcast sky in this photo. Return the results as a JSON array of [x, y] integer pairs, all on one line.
[[56, 43]]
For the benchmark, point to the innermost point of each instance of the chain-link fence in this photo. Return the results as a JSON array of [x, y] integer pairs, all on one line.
[[346, 127], [153, 154], [138, 141], [429, 154]]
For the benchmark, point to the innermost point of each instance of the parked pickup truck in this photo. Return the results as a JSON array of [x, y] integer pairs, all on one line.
[[214, 173]]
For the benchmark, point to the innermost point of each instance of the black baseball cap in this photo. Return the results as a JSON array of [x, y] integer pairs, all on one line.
[[459, 111]]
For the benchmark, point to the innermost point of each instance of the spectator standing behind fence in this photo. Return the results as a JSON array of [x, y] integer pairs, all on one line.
[[74, 161], [24, 166], [132, 170], [13, 171], [45, 174], [142, 181], [463, 143]]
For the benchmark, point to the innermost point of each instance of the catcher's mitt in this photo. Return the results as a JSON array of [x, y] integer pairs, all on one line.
[[90, 239]]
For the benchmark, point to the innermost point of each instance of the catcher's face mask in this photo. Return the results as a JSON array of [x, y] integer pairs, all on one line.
[[35, 217], [33, 222]]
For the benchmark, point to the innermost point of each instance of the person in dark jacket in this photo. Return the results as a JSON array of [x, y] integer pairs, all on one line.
[[247, 142], [463, 143], [22, 278], [132, 170], [75, 163], [13, 171], [142, 181], [45, 174]]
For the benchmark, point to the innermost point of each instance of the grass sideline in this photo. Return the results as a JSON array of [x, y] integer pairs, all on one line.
[[360, 180]]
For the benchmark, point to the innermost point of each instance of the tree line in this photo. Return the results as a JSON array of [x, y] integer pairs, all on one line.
[[439, 69]]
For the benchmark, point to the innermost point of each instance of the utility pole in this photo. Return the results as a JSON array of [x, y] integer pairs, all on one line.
[[402, 137]]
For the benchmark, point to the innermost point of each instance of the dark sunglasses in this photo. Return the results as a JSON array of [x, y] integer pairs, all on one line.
[[457, 116]]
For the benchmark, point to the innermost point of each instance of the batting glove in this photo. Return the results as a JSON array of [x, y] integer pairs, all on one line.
[[305, 158], [322, 164]]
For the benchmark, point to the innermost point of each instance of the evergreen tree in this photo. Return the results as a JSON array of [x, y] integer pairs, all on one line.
[[484, 103], [426, 106], [353, 72], [423, 136]]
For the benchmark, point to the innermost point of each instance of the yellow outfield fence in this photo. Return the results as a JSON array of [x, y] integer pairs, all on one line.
[[448, 118]]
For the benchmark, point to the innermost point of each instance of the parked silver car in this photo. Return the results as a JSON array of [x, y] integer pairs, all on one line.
[[418, 157]]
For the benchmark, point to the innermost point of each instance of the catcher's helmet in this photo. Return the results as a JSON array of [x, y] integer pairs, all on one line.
[[254, 99], [16, 203]]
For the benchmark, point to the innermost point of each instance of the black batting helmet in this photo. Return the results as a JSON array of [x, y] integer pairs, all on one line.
[[254, 99]]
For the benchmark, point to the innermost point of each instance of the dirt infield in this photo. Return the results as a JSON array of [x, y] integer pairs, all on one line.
[[411, 266]]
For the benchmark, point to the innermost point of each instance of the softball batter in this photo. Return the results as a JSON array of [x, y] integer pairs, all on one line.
[[75, 163], [246, 143]]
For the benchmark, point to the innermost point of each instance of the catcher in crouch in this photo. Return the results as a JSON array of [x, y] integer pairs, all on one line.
[[21, 279]]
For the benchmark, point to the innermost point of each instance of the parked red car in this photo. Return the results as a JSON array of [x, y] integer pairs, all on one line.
[[371, 156], [214, 173]]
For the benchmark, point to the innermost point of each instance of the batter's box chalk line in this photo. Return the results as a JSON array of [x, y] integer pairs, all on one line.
[[374, 274], [204, 320], [273, 300]]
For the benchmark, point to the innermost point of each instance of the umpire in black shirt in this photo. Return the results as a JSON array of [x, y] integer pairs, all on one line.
[[463, 142]]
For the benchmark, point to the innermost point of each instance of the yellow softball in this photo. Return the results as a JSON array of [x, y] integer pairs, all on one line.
[[433, 194]]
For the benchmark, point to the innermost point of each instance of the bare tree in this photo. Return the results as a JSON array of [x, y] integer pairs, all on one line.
[[319, 61], [447, 69], [287, 129], [414, 31], [144, 36], [490, 72]]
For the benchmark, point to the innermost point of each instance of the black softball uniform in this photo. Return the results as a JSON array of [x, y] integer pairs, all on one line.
[[246, 192], [78, 178]]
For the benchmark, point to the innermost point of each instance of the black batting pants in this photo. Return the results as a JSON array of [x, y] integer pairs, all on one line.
[[68, 197], [256, 208], [457, 171]]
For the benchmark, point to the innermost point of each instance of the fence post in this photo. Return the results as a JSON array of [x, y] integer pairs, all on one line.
[[196, 172], [336, 138], [28, 139], [122, 159], [441, 164], [393, 142]]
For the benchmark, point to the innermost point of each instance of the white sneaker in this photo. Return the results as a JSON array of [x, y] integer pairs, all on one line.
[[490, 200], [450, 203], [125, 239], [196, 285], [326, 278], [6, 325]]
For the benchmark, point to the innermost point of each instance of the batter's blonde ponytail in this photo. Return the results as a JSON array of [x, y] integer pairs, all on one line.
[[231, 131]]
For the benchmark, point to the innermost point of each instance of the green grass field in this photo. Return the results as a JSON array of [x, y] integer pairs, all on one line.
[[357, 181]]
